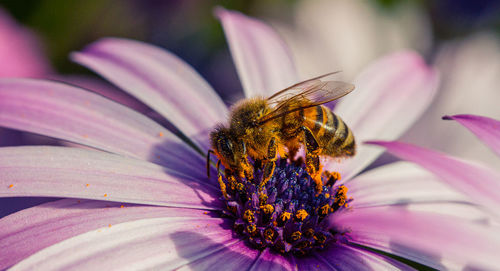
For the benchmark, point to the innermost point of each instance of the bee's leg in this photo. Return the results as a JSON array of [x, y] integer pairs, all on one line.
[[245, 164], [247, 169], [313, 165], [270, 164], [221, 183]]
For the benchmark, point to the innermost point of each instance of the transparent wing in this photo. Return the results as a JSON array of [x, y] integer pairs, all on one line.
[[305, 94]]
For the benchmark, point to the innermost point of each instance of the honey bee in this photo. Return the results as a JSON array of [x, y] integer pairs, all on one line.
[[261, 128]]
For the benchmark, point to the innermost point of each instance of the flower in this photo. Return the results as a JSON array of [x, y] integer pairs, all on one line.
[[471, 74], [22, 56], [477, 181], [141, 200]]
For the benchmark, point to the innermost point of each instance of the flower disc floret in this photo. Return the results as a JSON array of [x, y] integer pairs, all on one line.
[[288, 213]]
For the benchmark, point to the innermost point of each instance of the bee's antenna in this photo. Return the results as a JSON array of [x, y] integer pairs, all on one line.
[[208, 162]]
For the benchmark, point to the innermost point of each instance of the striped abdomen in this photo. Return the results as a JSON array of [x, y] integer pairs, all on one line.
[[334, 137]]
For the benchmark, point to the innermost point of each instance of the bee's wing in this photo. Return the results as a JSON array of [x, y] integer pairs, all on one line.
[[305, 94]]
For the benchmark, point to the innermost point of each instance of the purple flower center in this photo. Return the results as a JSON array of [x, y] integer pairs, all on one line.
[[288, 213]]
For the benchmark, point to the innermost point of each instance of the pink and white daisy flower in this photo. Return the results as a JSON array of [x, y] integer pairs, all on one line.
[[141, 200]]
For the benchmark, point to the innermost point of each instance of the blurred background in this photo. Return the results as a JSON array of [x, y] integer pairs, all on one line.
[[460, 38]]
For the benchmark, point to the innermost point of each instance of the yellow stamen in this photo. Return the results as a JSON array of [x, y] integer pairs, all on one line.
[[296, 235], [262, 198], [285, 216], [251, 229], [268, 209], [341, 197], [269, 234], [325, 209], [248, 216], [301, 214]]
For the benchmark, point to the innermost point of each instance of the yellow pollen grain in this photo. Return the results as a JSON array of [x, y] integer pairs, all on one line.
[[85, 136], [105, 195], [160, 134], [121, 206], [205, 213], [109, 226], [336, 175], [10, 186], [301, 214], [87, 185]]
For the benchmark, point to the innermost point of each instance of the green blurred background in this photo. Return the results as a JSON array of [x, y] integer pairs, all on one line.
[[189, 29]]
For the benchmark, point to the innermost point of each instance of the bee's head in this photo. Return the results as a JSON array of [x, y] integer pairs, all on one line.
[[226, 147]]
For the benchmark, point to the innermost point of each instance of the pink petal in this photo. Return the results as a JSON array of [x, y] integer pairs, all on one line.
[[390, 96], [105, 89], [20, 51], [486, 129], [268, 260], [345, 257], [406, 184], [79, 173], [72, 114], [57, 221], [481, 184], [236, 256], [429, 239], [263, 60], [155, 243], [398, 184], [160, 80]]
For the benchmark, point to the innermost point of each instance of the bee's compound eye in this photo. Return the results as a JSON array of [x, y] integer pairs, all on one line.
[[226, 147]]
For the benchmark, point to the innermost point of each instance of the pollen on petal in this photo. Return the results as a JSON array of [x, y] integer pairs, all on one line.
[[109, 226], [105, 195], [121, 206], [85, 136], [11, 185], [160, 134], [87, 185]]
